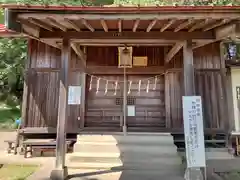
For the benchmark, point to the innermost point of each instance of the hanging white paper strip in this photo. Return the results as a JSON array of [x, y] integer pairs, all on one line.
[[139, 86], [129, 87], [106, 87], [116, 85], [98, 81], [155, 83], [148, 83], [90, 85]]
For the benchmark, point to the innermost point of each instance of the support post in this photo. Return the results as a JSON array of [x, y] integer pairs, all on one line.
[[189, 90], [124, 102], [188, 69], [60, 171], [83, 98]]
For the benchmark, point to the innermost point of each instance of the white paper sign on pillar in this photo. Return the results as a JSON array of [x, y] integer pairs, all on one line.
[[193, 131], [74, 95]]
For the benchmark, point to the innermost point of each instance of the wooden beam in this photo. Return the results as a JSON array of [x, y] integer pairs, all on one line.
[[116, 70], [129, 35], [226, 31], [188, 69], [183, 25], [135, 26], [54, 23], [151, 24], [221, 33], [87, 25], [175, 49], [167, 25], [73, 24], [199, 25], [203, 43], [60, 168], [129, 44], [104, 25], [79, 52], [40, 24], [222, 22], [133, 16], [29, 28], [119, 25]]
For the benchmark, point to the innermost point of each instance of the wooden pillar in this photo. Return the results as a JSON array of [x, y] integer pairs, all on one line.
[[25, 98], [188, 69], [60, 171], [83, 98]]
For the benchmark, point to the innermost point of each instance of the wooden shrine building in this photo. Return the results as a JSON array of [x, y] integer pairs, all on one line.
[[75, 81]]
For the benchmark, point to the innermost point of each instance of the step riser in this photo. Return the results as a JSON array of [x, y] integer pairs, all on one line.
[[128, 160], [130, 139], [164, 169], [122, 175], [157, 150]]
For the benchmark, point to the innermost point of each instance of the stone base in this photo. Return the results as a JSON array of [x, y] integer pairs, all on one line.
[[59, 174]]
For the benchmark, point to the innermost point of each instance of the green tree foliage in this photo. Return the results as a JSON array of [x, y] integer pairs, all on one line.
[[12, 57], [13, 51]]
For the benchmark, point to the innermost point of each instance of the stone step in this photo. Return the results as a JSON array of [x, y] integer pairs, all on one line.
[[84, 174], [124, 159], [143, 138], [127, 149], [164, 169], [215, 153]]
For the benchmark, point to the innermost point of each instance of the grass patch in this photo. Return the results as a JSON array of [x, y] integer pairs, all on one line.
[[8, 115], [16, 172]]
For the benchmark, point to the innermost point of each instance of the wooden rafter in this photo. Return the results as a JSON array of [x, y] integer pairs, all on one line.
[[73, 24], [173, 51], [104, 25], [183, 25], [120, 25], [151, 24], [222, 22], [40, 24], [199, 25], [167, 25], [29, 28], [87, 25], [135, 26], [79, 52], [53, 22]]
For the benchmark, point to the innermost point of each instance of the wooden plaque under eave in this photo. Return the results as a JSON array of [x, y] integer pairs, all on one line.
[[140, 61], [125, 57]]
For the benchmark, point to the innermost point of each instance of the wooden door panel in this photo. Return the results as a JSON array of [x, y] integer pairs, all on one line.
[[102, 109], [149, 103]]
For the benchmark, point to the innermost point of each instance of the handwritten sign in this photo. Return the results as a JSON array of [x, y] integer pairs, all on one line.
[[74, 94], [193, 131]]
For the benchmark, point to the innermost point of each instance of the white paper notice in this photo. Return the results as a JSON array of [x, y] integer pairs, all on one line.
[[74, 94], [130, 110], [193, 130]]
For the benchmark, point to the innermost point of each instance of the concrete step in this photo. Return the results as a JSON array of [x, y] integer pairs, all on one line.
[[125, 159], [132, 138], [164, 169], [215, 153], [84, 174], [127, 149]]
